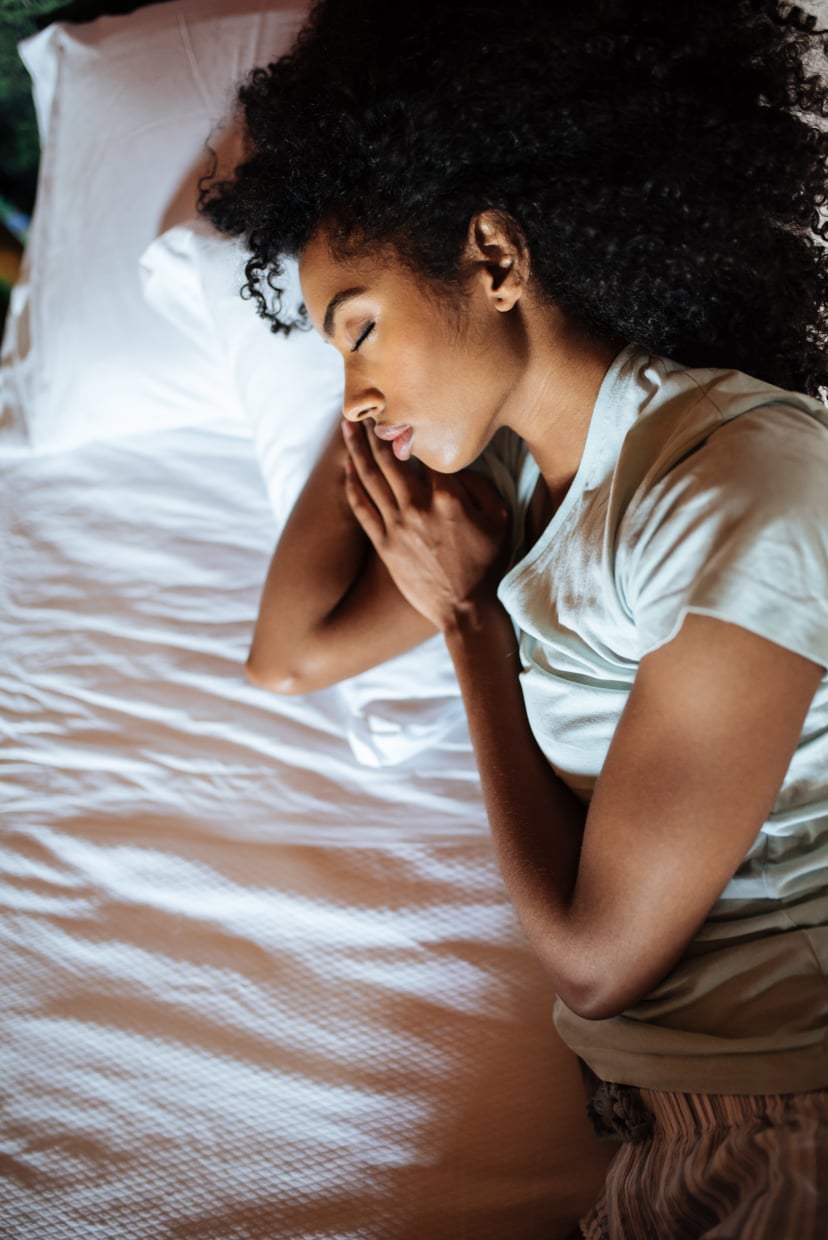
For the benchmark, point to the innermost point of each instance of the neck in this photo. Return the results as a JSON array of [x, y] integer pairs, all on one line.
[[552, 406]]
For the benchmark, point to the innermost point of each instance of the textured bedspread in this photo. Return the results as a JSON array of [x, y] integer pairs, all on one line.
[[249, 986]]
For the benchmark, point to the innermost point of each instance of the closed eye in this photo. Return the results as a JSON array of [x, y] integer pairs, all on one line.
[[364, 334]]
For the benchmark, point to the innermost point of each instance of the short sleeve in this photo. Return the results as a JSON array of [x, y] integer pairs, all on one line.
[[737, 530]]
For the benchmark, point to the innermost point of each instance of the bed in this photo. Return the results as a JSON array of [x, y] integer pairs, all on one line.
[[259, 975]]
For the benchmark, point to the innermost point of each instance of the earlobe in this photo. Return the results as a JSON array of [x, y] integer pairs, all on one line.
[[497, 253]]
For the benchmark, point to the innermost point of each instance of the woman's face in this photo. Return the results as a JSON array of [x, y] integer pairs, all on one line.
[[434, 375]]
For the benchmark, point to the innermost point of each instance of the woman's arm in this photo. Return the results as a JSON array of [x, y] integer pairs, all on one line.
[[610, 898], [329, 608], [692, 773]]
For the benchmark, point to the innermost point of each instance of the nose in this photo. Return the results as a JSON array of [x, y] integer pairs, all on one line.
[[361, 402]]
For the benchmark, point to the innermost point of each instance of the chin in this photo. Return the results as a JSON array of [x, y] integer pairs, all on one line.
[[447, 461]]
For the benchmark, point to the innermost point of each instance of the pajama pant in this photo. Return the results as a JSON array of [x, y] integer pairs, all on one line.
[[712, 1166]]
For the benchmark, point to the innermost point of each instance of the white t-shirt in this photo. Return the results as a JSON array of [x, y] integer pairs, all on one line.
[[698, 491]]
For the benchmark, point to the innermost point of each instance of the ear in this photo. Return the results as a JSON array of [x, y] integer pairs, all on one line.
[[498, 257]]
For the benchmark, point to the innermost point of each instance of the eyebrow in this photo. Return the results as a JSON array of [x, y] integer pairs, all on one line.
[[333, 305]]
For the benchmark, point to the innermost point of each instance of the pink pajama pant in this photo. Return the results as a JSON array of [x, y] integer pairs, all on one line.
[[713, 1166]]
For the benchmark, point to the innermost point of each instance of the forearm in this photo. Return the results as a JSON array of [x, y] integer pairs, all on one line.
[[445, 544], [329, 609], [536, 822], [318, 557]]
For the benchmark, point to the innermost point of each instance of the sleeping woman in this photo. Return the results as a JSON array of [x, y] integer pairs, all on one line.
[[572, 259]]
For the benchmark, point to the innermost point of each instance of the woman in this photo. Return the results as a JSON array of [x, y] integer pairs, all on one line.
[[573, 254]]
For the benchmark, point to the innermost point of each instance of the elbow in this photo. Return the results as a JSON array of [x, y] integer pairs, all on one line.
[[291, 674], [282, 681], [598, 993], [595, 1005]]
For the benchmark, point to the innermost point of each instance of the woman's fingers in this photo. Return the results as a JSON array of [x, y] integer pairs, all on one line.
[[443, 539], [367, 470], [365, 511], [390, 483]]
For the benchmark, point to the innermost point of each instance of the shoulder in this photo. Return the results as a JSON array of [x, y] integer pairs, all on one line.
[[704, 430], [721, 507]]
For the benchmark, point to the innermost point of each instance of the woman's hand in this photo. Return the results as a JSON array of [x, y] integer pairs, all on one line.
[[442, 537]]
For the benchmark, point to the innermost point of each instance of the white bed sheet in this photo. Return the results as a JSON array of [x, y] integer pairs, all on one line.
[[249, 987]]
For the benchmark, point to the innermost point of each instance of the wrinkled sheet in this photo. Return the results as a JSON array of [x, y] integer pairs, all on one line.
[[251, 985]]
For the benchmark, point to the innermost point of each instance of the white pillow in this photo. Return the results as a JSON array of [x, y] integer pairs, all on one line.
[[125, 106], [290, 388]]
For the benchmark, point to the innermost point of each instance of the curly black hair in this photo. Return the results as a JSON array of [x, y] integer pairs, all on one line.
[[665, 163]]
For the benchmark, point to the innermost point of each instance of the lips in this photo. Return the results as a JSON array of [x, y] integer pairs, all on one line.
[[399, 437]]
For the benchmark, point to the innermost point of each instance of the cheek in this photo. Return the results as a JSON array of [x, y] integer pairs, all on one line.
[[417, 375], [447, 388]]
